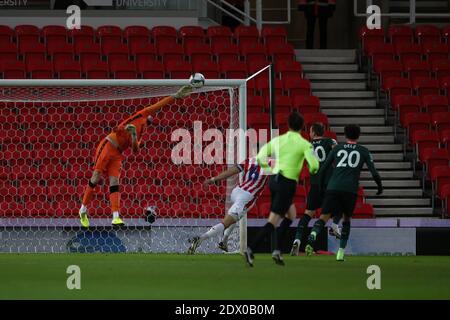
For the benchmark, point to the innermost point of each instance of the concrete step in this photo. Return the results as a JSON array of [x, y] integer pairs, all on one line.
[[344, 94], [348, 53], [336, 76], [326, 86], [366, 129], [396, 212], [393, 165], [384, 147], [394, 193], [374, 139], [387, 156], [391, 184], [336, 60], [356, 120], [353, 112], [329, 103], [391, 175], [327, 68], [423, 202]]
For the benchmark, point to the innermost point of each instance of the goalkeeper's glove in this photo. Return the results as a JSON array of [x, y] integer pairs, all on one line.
[[183, 92]]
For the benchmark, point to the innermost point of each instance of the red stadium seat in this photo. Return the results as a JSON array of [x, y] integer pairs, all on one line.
[[253, 51], [311, 118], [435, 51], [388, 68], [440, 176], [423, 139], [8, 51], [142, 51], [408, 51], [208, 68], [280, 53], [33, 52], [179, 69], [288, 68], [283, 104], [397, 86], [122, 69], [425, 86], [60, 51], [404, 104], [136, 35], [6, 34], [150, 69], [258, 120], [198, 51], [68, 69], [192, 35], [444, 136], [255, 66], [415, 121], [441, 120], [255, 104], [85, 34], [274, 34], [233, 69], [306, 104], [95, 69], [225, 51], [370, 36], [330, 134], [219, 34], [170, 51], [54, 35], [297, 86], [115, 51], [400, 34], [378, 52], [441, 68], [164, 35], [41, 70], [428, 34], [435, 103], [246, 34], [27, 34], [363, 211], [445, 196], [88, 51], [109, 35], [416, 68], [434, 157], [12, 69]]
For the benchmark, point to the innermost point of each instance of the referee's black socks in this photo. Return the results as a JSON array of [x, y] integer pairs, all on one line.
[[282, 231], [267, 230]]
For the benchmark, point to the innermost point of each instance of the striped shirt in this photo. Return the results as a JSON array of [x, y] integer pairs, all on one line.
[[253, 178]]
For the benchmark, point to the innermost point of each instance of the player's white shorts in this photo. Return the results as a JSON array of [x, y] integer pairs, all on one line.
[[239, 199]]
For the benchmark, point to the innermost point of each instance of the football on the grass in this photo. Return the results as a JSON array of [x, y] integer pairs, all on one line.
[[197, 80]]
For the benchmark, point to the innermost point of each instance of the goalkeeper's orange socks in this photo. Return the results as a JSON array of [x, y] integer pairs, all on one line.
[[88, 194], [114, 198]]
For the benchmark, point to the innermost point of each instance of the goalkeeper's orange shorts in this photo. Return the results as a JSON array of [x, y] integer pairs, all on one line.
[[108, 160]]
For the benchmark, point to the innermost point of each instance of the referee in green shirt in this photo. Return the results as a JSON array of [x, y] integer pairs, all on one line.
[[289, 151]]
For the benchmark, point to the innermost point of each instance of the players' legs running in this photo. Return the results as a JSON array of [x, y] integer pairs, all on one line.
[[301, 227], [317, 228], [335, 230], [87, 197], [282, 232], [344, 237]]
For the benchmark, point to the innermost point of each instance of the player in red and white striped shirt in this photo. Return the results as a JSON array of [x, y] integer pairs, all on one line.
[[243, 197]]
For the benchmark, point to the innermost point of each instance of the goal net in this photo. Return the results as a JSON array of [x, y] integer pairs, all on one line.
[[49, 131]]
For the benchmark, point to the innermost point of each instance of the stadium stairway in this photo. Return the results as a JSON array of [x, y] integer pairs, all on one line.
[[345, 98]]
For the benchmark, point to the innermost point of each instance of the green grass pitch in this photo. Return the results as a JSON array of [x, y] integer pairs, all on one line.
[[177, 276]]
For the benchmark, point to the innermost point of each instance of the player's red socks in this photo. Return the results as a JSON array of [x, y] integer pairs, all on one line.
[[114, 198], [88, 193]]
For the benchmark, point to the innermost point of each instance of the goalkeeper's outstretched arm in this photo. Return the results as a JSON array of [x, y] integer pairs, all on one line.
[[181, 93], [223, 175]]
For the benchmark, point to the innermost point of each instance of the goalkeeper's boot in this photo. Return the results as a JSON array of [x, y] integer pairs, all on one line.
[[276, 256], [117, 222], [295, 247], [340, 254], [309, 250], [195, 242], [335, 231], [223, 246], [249, 257], [84, 220]]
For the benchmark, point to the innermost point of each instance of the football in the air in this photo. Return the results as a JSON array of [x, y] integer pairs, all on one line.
[[197, 80]]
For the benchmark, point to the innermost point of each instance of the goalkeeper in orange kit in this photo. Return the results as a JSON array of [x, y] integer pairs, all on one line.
[[108, 156]]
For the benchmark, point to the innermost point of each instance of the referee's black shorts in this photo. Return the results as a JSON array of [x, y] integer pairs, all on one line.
[[282, 192], [339, 202]]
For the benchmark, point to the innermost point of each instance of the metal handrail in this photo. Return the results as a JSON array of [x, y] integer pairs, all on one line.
[[246, 15], [412, 14]]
